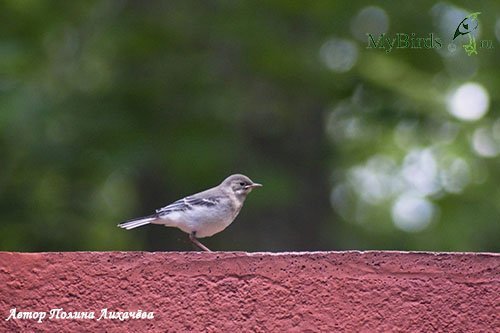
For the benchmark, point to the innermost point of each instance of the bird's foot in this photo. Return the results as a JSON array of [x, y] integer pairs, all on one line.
[[192, 237]]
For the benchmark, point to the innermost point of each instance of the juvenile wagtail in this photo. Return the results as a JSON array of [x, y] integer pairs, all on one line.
[[202, 214]]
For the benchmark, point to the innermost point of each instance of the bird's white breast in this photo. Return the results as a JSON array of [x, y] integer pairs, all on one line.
[[205, 220]]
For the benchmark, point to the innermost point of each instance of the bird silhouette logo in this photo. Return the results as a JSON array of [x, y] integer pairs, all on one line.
[[466, 27]]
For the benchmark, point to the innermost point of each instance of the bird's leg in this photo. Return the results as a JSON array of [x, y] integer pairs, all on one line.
[[192, 237]]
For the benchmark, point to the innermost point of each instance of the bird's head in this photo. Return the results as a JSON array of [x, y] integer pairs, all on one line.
[[240, 185], [467, 26]]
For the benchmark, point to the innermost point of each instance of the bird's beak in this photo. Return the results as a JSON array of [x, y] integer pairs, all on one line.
[[254, 185]]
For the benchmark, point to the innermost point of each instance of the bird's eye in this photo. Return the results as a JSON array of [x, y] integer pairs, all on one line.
[[242, 184]]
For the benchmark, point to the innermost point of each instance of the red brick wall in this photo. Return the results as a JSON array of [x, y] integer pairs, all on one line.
[[258, 292]]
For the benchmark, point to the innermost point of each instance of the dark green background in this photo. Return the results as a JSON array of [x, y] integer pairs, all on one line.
[[111, 109]]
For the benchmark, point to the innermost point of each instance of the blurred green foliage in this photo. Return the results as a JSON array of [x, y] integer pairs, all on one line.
[[111, 109]]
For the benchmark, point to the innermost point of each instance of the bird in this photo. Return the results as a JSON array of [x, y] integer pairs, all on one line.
[[202, 214], [468, 24]]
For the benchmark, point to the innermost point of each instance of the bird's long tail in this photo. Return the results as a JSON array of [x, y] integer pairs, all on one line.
[[131, 224]]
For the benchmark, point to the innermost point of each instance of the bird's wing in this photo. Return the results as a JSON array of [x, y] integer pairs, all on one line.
[[188, 203]]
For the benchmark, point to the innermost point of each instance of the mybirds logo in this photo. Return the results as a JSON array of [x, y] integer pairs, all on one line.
[[467, 27]]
